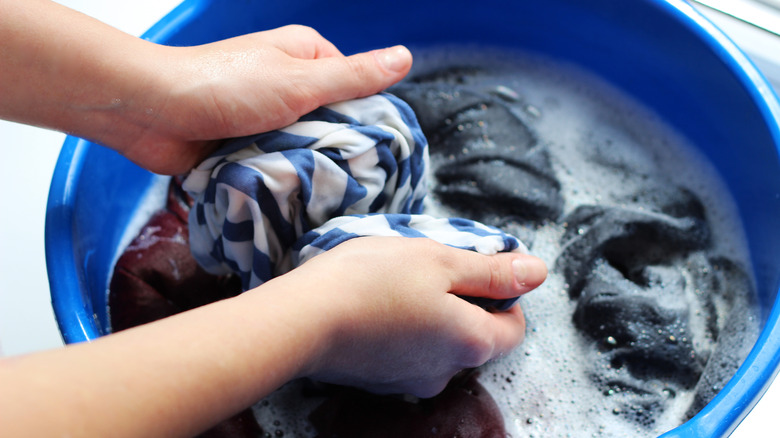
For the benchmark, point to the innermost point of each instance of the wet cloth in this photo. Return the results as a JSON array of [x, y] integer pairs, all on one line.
[[266, 203]]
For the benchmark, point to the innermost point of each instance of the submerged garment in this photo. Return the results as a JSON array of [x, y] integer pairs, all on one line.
[[488, 158], [652, 297], [266, 203]]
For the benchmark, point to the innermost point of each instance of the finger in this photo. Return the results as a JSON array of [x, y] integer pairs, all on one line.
[[509, 330], [360, 75], [500, 276], [493, 334]]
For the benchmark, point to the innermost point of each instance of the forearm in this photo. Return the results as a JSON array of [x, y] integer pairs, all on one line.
[[174, 377], [66, 71], [389, 323], [166, 108]]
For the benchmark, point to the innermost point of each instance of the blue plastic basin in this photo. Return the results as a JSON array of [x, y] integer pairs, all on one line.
[[662, 52]]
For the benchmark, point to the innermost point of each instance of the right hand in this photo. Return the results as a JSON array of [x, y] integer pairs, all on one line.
[[396, 324]]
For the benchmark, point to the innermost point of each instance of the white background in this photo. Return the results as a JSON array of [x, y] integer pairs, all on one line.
[[28, 156]]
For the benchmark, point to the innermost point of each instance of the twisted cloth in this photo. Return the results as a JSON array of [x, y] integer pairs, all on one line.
[[266, 203]]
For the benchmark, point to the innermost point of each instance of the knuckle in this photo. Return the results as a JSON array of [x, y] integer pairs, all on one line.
[[478, 349], [495, 278], [359, 68], [301, 29]]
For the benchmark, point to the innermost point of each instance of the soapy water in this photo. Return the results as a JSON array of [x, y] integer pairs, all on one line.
[[629, 336], [603, 149], [607, 151]]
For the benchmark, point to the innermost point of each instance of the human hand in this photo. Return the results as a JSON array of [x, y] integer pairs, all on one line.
[[396, 325], [375, 312], [165, 108], [246, 85]]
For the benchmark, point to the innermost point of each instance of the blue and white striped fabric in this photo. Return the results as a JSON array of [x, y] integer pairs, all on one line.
[[265, 204], [456, 232]]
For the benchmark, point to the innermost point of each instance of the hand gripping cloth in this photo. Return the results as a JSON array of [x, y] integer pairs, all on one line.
[[266, 203]]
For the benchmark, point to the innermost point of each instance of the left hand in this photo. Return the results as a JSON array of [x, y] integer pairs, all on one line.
[[166, 108], [245, 85]]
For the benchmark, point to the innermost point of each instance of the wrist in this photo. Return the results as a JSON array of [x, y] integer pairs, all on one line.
[[296, 313], [66, 71], [119, 112]]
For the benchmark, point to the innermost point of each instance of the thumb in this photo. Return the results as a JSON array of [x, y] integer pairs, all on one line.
[[360, 75], [499, 276]]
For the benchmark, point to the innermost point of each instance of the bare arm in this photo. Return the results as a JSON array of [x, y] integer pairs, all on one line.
[[164, 107], [368, 327]]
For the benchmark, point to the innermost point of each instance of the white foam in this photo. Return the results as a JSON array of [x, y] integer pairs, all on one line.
[[543, 387]]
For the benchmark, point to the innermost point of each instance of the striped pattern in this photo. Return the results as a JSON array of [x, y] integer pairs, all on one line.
[[456, 232], [266, 203]]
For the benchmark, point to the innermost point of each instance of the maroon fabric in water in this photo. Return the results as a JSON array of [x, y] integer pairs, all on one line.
[[157, 277], [463, 410]]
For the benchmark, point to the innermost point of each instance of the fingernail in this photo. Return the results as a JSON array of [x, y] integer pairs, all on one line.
[[520, 271], [394, 58]]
